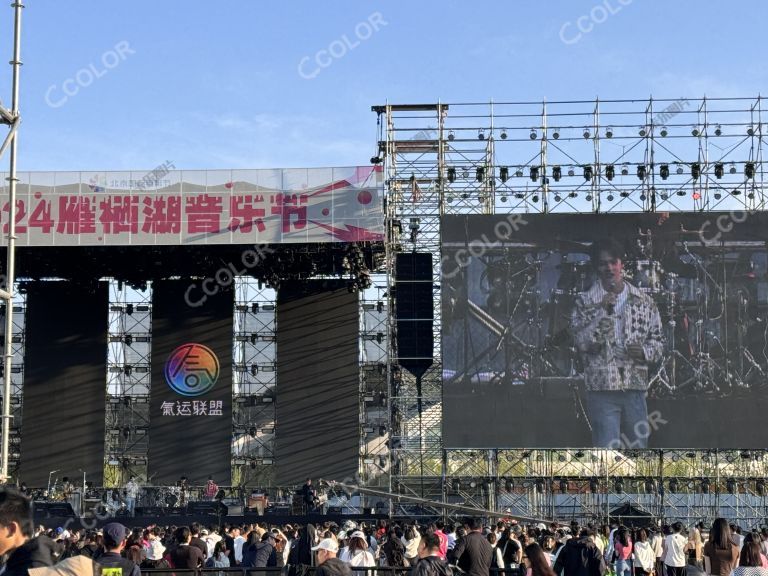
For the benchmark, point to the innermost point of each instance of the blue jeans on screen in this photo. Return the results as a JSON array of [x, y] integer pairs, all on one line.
[[619, 419], [131, 505], [623, 568]]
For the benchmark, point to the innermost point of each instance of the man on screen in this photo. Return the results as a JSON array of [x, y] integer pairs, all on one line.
[[617, 331]]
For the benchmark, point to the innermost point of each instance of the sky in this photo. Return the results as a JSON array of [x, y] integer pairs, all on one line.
[[249, 84]]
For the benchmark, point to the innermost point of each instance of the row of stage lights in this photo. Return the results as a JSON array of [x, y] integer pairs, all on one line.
[[588, 171], [587, 132], [650, 486]]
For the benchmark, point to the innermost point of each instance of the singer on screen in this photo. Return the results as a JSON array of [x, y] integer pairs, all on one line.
[[617, 331]]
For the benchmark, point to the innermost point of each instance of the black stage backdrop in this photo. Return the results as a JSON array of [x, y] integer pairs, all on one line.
[[191, 395], [519, 299], [317, 410], [64, 383]]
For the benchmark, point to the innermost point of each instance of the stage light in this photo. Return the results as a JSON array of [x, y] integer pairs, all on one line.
[[664, 196], [618, 486], [673, 485], [746, 454], [533, 134], [570, 172], [732, 168], [718, 195], [609, 132], [587, 173], [642, 131], [751, 131], [719, 170], [519, 172], [563, 486], [572, 194], [610, 171], [451, 174], [539, 485], [473, 483], [679, 169], [504, 173], [749, 169], [375, 160], [760, 487], [503, 199], [379, 306], [594, 485], [650, 486], [509, 485], [625, 169], [705, 486], [588, 197], [695, 170], [129, 309], [480, 173], [464, 173], [642, 197], [451, 136], [535, 198], [624, 194], [578, 454], [680, 193], [519, 195], [664, 171], [663, 132], [557, 173], [730, 485], [558, 198], [503, 133], [695, 131], [718, 130], [641, 172], [586, 133], [456, 484], [534, 173], [736, 192], [696, 195], [609, 198], [481, 134], [128, 339], [556, 133]]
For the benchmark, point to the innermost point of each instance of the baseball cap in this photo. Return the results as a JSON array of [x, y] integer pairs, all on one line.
[[358, 534], [327, 544], [114, 533]]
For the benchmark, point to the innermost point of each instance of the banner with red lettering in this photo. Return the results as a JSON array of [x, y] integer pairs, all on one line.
[[173, 207]]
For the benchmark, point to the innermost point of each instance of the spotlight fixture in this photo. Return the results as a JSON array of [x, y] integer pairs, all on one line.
[[663, 132], [480, 173], [695, 170], [730, 485], [695, 131], [558, 198], [503, 199], [563, 486], [718, 130], [679, 169], [535, 198], [664, 195], [587, 172], [641, 172], [451, 136], [533, 134], [705, 486], [650, 486], [504, 173], [609, 132], [539, 485], [481, 134], [751, 131], [732, 168], [570, 172], [519, 173], [503, 133], [473, 483], [519, 195], [642, 131], [586, 133], [451, 174], [717, 195], [594, 485], [719, 170], [760, 487], [664, 171], [618, 486], [625, 169], [556, 133], [534, 173], [749, 169], [588, 197], [610, 172], [572, 194], [680, 192], [624, 194], [696, 195], [609, 198], [509, 485], [557, 173], [673, 485], [375, 160]]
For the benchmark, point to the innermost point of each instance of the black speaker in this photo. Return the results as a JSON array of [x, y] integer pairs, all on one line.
[[278, 510], [53, 509], [414, 311], [206, 507], [153, 511]]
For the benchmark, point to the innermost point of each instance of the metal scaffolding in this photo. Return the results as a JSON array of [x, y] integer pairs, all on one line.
[[644, 155]]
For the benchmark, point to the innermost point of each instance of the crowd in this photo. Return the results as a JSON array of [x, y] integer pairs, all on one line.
[[354, 549]]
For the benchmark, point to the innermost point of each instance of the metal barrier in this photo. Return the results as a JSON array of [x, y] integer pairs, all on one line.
[[304, 570]]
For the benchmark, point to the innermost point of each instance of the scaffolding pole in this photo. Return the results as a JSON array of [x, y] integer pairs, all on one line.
[[13, 119]]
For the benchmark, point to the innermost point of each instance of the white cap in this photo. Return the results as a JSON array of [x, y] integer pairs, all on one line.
[[327, 544]]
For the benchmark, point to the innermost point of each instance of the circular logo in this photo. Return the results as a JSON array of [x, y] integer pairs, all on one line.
[[192, 369]]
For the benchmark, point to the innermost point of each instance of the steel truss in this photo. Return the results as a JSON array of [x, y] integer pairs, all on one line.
[[572, 156]]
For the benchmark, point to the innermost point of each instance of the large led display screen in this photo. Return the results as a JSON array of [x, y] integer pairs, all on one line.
[[605, 330]]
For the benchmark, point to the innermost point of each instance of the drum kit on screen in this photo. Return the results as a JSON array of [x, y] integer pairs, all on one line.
[[713, 304]]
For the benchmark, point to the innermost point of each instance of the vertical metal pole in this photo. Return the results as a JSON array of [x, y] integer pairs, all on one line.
[[11, 264]]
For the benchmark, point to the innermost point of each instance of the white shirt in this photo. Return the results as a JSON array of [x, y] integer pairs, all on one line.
[[238, 548], [644, 555], [674, 544]]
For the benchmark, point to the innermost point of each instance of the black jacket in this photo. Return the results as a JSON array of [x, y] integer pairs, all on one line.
[[35, 553], [431, 566], [580, 558], [473, 554]]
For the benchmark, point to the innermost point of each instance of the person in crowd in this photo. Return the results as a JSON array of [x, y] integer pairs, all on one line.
[[115, 538], [721, 553], [538, 563], [430, 563], [754, 536], [219, 558], [410, 539], [618, 334], [623, 550], [696, 546], [197, 540], [497, 560], [643, 555], [393, 550], [474, 553], [155, 556], [580, 557], [356, 554], [439, 529], [511, 551], [265, 554], [327, 562], [675, 549], [238, 540], [186, 556], [249, 549], [750, 561], [18, 544]]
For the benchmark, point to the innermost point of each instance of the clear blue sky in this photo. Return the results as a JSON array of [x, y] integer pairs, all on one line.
[[218, 84]]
